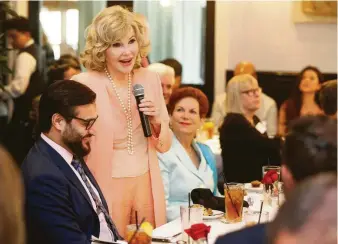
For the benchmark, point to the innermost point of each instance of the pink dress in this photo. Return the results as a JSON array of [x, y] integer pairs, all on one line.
[[109, 157]]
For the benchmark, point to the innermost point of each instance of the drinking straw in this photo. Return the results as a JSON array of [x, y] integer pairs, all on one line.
[[189, 214], [260, 213], [189, 207], [137, 229], [232, 203], [136, 217]]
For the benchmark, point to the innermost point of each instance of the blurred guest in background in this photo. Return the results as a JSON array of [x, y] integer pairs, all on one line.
[[122, 158], [328, 98], [48, 50], [267, 111], [244, 142], [63, 69], [309, 216], [188, 162], [177, 66], [12, 227], [167, 77], [302, 100], [310, 148], [28, 82]]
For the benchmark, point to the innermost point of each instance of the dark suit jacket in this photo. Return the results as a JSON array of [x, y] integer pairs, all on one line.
[[245, 150], [252, 235], [58, 209]]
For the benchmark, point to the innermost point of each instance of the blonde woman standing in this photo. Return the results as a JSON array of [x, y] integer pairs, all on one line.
[[124, 161]]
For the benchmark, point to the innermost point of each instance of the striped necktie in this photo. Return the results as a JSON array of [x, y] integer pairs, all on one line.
[[99, 206]]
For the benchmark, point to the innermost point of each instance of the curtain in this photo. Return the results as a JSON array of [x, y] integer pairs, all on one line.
[[177, 30], [87, 11]]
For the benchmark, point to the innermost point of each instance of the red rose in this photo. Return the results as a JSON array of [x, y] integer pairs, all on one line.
[[271, 172], [274, 177], [198, 231], [267, 180]]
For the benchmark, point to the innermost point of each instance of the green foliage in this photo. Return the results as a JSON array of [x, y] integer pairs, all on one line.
[[5, 10]]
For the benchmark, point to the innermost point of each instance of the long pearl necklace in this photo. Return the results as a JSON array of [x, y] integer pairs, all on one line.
[[127, 112]]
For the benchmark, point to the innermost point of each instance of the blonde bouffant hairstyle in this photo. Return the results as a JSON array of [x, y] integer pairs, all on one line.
[[108, 27], [235, 87]]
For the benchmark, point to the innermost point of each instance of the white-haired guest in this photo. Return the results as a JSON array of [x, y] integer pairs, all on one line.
[[167, 76]]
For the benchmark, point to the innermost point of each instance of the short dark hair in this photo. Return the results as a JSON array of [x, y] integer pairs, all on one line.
[[328, 97], [62, 97], [184, 92], [58, 68], [20, 24], [70, 60], [311, 206], [177, 66], [311, 146]]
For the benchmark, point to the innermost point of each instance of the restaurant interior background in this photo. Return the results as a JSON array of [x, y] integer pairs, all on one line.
[[279, 38]]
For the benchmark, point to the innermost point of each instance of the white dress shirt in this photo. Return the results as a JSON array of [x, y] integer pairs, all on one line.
[[105, 233], [25, 66], [267, 112]]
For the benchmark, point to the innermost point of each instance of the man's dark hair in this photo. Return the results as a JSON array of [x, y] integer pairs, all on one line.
[[58, 68], [20, 24], [328, 97], [310, 212], [70, 60], [177, 66], [63, 97], [311, 146]]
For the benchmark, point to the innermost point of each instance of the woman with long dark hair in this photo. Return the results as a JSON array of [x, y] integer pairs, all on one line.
[[302, 101]]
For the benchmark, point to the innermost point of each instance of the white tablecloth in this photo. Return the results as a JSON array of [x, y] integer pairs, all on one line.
[[218, 228]]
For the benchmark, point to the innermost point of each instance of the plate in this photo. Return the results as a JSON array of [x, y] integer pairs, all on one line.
[[215, 215], [249, 188]]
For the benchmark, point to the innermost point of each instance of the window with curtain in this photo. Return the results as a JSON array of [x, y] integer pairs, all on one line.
[[61, 28], [177, 30]]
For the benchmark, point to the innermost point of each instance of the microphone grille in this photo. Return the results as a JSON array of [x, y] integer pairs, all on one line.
[[138, 90]]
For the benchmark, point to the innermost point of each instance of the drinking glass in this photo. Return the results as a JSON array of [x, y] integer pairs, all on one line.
[[234, 197]]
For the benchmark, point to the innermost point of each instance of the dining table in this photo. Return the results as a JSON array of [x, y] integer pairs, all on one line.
[[171, 232]]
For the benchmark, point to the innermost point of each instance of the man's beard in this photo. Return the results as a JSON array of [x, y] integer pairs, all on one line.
[[74, 141]]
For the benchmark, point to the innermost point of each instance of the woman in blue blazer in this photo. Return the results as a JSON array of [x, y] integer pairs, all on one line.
[[188, 164]]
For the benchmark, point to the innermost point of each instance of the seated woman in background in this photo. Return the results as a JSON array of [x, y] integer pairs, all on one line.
[[188, 164], [302, 101], [244, 142]]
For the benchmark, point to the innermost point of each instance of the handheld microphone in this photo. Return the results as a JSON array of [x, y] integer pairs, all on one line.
[[138, 92]]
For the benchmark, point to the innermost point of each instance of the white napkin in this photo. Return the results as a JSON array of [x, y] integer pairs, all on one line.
[[168, 230]]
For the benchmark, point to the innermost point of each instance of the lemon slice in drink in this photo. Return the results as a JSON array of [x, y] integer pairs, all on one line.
[[147, 228]]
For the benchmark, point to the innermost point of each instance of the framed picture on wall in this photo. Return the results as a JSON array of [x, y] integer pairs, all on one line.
[[314, 11]]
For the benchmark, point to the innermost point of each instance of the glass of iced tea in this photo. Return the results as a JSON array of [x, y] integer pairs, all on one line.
[[234, 197], [141, 236], [209, 128]]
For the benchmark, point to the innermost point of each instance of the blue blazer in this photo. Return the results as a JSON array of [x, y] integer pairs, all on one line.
[[251, 235], [58, 209], [180, 176]]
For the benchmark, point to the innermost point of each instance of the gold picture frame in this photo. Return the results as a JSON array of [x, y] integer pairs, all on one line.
[[315, 11]]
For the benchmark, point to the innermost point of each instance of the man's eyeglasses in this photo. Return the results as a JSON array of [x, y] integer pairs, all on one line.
[[252, 92], [87, 122]]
